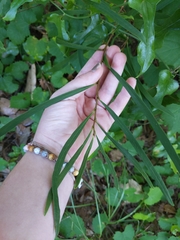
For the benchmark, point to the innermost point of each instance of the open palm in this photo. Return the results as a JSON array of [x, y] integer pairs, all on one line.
[[61, 119]]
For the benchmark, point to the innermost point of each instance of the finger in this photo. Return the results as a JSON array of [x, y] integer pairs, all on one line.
[[122, 98], [95, 59], [83, 80], [110, 53], [110, 84]]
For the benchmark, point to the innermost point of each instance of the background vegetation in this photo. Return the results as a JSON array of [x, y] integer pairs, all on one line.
[[131, 188]]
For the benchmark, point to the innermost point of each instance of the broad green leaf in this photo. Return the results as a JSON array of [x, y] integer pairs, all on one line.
[[169, 52], [35, 48], [3, 33], [1, 68], [8, 85], [145, 217], [4, 7], [162, 236], [99, 223], [106, 10], [114, 196], [173, 120], [100, 168], [13, 123], [18, 29], [151, 100], [17, 69], [148, 237], [164, 170], [3, 164], [109, 163], [147, 9], [11, 49], [21, 100], [127, 234], [131, 195], [2, 49], [166, 85], [60, 25], [39, 96], [166, 223], [58, 80], [56, 49], [10, 15], [175, 230], [173, 180], [154, 196], [72, 226]]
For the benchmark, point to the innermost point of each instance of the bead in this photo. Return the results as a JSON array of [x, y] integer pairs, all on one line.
[[52, 157], [30, 148], [71, 169], [44, 153], [37, 150], [25, 148], [63, 166], [76, 172]]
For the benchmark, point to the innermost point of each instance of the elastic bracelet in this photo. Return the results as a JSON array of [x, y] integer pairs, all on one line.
[[44, 153]]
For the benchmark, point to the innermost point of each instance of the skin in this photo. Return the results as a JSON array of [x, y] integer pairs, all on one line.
[[23, 193]]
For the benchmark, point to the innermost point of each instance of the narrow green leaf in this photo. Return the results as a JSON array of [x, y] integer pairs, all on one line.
[[105, 9], [110, 166], [83, 165], [130, 158], [48, 201], [160, 133], [10, 15], [61, 159], [74, 45], [154, 174], [74, 158], [59, 175], [38, 108]]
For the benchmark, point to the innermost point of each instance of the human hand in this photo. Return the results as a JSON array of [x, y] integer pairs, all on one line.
[[60, 120]]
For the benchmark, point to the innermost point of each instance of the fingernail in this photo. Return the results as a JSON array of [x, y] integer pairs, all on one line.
[[96, 67]]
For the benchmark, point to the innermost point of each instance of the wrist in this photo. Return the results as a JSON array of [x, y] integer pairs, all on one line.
[[54, 147]]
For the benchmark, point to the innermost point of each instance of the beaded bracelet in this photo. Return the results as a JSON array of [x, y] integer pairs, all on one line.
[[35, 148]]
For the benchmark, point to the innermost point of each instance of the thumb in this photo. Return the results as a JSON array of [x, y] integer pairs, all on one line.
[[83, 80]]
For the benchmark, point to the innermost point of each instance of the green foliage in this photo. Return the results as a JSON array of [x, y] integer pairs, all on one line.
[[127, 234], [166, 85], [146, 52], [21, 101], [99, 223], [59, 37], [72, 226], [154, 196], [172, 121]]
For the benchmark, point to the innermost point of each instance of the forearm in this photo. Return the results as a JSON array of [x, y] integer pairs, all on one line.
[[22, 200]]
